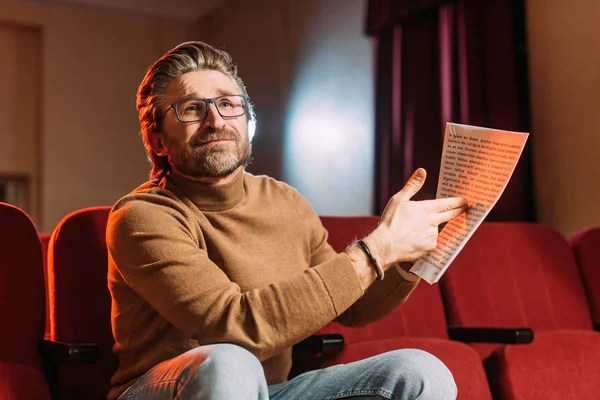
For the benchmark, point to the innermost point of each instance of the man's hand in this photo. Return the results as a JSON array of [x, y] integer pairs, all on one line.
[[409, 229]]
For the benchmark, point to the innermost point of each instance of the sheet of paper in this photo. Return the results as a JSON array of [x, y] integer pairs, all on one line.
[[477, 163]]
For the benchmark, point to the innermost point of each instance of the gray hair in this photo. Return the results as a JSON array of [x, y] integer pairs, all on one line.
[[184, 58]]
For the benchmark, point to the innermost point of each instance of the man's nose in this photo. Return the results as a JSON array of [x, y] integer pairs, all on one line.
[[213, 118]]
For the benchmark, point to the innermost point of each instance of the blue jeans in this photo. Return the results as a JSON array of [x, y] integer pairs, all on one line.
[[226, 372]]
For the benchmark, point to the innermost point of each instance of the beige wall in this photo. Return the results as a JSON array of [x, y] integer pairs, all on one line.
[[564, 63], [93, 59], [253, 33], [92, 62], [20, 111], [291, 53], [309, 70]]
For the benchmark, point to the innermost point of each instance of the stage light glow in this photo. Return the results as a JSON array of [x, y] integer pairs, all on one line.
[[328, 144]]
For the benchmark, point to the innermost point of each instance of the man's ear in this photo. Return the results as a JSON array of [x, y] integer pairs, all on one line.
[[156, 141]]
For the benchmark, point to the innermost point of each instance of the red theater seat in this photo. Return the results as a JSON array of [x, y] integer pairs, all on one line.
[[80, 301], [523, 274], [22, 307], [418, 323], [80, 311], [585, 245]]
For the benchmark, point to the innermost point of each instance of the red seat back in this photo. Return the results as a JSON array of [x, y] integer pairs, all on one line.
[[22, 306], [421, 316], [515, 275], [585, 245], [80, 301]]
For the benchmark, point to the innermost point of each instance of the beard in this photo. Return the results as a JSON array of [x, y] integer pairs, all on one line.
[[200, 159]]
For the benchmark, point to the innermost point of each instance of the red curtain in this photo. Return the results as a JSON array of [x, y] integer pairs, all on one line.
[[446, 61]]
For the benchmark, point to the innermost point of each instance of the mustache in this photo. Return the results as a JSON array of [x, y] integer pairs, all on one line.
[[211, 135]]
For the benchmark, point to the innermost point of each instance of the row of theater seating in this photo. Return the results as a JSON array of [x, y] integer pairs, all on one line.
[[511, 317]]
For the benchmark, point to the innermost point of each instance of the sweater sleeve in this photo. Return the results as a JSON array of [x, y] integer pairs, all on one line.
[[381, 298], [153, 243]]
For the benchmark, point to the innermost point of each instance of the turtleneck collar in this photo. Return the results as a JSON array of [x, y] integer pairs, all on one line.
[[210, 197]]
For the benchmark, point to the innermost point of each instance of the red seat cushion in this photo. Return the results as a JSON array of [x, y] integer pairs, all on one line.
[[461, 360], [558, 365]]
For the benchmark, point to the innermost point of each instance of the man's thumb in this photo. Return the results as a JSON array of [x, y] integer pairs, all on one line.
[[414, 184]]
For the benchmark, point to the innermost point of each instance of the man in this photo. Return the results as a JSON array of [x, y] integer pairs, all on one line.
[[216, 273]]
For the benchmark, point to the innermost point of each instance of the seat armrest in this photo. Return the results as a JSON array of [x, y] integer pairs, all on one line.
[[322, 344], [491, 335], [69, 353]]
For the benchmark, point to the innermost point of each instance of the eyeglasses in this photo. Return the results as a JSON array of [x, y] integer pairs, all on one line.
[[194, 110]]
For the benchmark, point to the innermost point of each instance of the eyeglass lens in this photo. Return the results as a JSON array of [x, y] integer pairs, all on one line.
[[196, 109]]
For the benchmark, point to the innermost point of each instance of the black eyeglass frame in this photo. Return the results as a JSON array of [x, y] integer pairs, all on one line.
[[208, 102]]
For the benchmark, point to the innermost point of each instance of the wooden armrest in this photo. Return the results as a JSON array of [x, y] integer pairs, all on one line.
[[491, 335]]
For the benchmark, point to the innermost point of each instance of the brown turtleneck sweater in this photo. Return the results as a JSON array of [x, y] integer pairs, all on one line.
[[246, 263]]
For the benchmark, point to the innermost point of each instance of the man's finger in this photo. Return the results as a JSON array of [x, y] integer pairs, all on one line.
[[445, 204], [414, 184], [446, 216]]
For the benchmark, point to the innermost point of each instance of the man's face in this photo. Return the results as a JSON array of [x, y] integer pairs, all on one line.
[[212, 148]]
